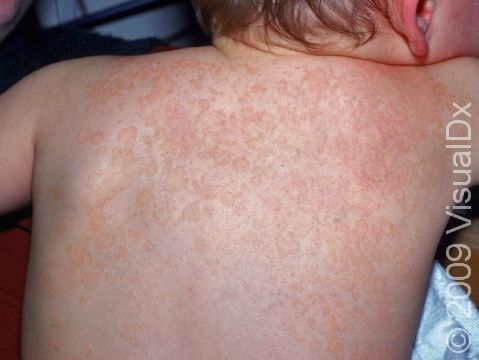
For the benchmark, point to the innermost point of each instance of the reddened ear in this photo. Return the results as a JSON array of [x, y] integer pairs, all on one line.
[[415, 17]]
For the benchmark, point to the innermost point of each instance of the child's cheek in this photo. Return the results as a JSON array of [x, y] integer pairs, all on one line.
[[464, 28], [8, 9], [472, 18]]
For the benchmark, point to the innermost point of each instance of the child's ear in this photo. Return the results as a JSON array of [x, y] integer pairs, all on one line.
[[415, 18]]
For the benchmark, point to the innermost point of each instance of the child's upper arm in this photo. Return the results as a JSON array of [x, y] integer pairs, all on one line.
[[461, 76], [27, 114], [466, 107], [20, 110]]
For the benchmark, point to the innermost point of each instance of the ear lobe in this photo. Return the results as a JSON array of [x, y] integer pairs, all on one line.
[[416, 16]]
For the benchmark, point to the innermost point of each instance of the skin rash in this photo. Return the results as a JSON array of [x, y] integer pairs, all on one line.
[[207, 218]]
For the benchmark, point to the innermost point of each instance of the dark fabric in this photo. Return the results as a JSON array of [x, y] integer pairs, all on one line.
[[21, 55]]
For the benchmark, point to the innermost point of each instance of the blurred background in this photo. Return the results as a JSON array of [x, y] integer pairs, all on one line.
[[172, 21]]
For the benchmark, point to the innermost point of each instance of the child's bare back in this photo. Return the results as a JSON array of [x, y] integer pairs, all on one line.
[[241, 201], [191, 206]]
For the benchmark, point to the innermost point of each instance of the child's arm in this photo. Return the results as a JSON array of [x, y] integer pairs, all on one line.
[[28, 113], [461, 77], [466, 107], [20, 110]]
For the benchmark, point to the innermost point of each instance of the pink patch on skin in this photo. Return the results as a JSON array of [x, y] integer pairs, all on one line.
[[204, 105], [83, 301], [58, 193], [134, 234], [162, 86], [97, 222], [148, 140], [150, 120], [105, 241], [96, 138], [127, 136], [78, 252], [207, 212], [86, 135], [179, 135], [202, 246], [120, 252], [144, 198], [258, 89], [121, 106], [60, 229], [151, 168], [241, 164], [83, 135], [55, 323], [89, 280], [192, 213], [109, 88], [203, 189], [251, 70], [149, 246], [175, 180], [130, 332], [55, 291], [163, 215]]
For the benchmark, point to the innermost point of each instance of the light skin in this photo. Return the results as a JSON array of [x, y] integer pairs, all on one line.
[[230, 203]]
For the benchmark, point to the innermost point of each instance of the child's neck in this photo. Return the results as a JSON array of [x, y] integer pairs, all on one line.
[[385, 48]]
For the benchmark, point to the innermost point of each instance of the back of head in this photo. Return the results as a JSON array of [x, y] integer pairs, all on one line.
[[311, 24]]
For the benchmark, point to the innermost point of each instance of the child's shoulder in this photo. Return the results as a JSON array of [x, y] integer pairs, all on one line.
[[461, 75], [78, 72]]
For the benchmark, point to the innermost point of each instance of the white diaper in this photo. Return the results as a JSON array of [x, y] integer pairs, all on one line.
[[449, 326]]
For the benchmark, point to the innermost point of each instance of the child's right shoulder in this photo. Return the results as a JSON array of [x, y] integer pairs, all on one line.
[[461, 79], [73, 73], [460, 75], [77, 72]]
